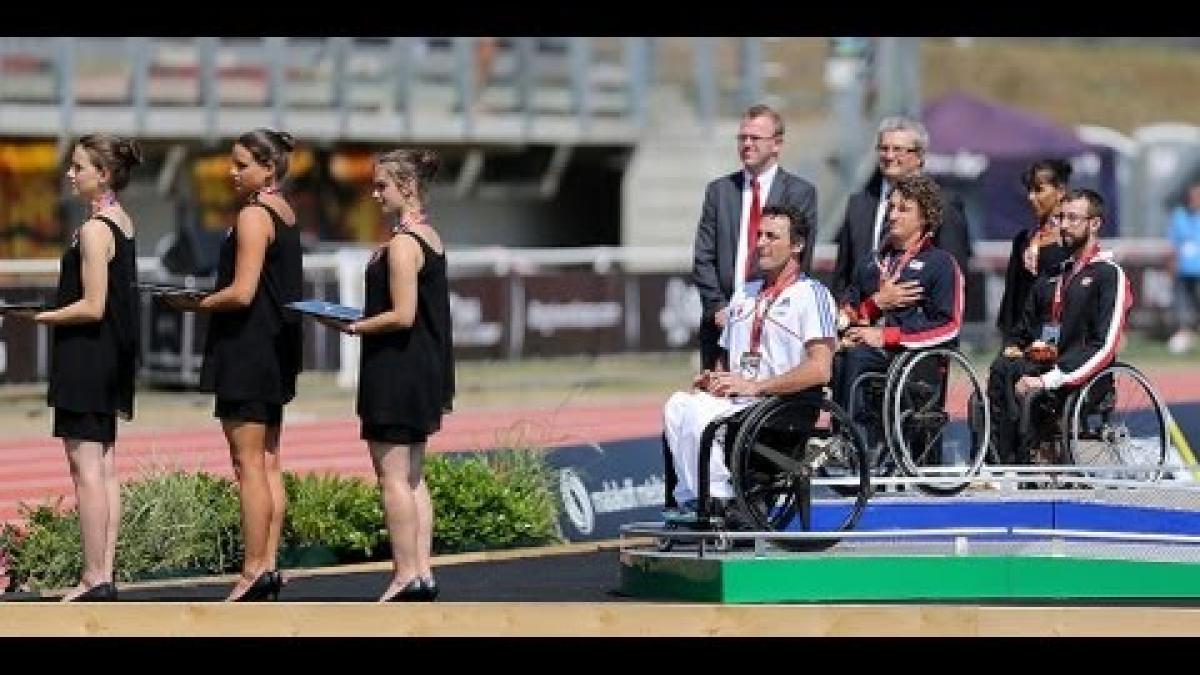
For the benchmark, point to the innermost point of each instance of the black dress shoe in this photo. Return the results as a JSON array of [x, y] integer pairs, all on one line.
[[262, 588], [430, 587], [102, 592], [413, 591]]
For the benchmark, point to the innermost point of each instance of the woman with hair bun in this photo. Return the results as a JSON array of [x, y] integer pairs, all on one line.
[[94, 350], [406, 371], [1037, 250], [252, 355]]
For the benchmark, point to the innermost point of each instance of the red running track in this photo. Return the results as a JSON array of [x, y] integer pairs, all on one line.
[[34, 469]]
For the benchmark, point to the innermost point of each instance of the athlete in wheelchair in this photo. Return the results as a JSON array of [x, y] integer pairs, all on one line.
[[1056, 390], [900, 376], [767, 413]]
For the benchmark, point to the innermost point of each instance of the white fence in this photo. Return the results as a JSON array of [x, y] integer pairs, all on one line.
[[514, 303]]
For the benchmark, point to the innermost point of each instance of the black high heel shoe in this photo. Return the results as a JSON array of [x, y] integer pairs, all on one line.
[[262, 588], [413, 591], [102, 592], [430, 588], [276, 583]]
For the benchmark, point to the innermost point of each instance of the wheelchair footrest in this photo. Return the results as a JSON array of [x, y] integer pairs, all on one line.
[[692, 520]]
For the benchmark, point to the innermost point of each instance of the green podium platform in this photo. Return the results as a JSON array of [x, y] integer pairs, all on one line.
[[910, 573], [1109, 540]]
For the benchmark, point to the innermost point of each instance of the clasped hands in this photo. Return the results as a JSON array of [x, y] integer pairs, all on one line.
[[1029, 384], [724, 384]]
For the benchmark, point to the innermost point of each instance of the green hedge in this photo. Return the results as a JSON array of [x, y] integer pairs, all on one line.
[[500, 499], [175, 523], [342, 514]]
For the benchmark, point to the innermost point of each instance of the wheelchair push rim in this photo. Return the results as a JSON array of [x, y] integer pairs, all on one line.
[[1117, 418], [780, 471], [939, 430]]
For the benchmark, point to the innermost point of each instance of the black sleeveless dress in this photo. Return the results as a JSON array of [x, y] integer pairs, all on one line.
[[406, 377], [93, 364], [253, 355], [1018, 282]]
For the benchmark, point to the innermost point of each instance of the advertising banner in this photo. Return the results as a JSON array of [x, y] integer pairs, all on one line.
[[573, 312], [480, 312], [669, 312]]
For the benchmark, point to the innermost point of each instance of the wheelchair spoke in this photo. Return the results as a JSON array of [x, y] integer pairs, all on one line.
[[934, 429], [803, 495], [778, 459], [1118, 419], [776, 453]]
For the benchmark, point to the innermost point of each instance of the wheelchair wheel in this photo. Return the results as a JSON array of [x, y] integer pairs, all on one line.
[[1117, 419], [864, 409], [937, 422], [783, 459]]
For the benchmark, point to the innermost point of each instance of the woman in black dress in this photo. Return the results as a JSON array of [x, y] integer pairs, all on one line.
[[406, 371], [94, 350], [1038, 250], [253, 348]]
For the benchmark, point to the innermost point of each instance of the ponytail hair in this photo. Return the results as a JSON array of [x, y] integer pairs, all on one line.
[[269, 148], [115, 154], [411, 166], [1056, 172]]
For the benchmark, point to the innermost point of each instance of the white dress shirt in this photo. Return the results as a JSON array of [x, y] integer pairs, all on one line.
[[764, 189]]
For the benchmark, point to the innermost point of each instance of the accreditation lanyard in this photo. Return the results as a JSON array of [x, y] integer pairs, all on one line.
[[892, 272], [762, 304], [1064, 282]]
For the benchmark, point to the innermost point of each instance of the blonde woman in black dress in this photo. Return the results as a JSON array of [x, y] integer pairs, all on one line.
[[94, 350], [253, 348], [406, 371]]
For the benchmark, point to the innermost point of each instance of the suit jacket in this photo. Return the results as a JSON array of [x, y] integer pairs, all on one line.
[[858, 226], [718, 231]]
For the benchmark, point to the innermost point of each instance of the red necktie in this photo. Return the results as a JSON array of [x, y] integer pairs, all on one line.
[[752, 230]]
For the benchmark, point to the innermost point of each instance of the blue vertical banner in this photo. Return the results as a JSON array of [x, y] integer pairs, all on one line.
[[603, 486]]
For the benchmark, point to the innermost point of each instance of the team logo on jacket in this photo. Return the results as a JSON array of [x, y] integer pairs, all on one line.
[[916, 264], [1086, 281]]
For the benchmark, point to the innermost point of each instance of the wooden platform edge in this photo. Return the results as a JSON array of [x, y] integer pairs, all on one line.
[[339, 619]]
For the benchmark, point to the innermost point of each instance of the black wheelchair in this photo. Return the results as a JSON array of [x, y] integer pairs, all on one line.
[[925, 417], [1115, 419], [784, 454]]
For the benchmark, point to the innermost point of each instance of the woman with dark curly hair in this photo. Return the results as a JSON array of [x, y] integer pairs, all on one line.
[[914, 214]]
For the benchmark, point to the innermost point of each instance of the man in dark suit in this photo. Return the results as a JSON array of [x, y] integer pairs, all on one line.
[[725, 236], [901, 144]]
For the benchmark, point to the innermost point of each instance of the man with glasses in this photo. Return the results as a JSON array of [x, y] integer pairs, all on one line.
[[901, 144], [1069, 329], [726, 234]]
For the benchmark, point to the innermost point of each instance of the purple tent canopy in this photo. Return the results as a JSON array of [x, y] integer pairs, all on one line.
[[960, 121], [979, 150]]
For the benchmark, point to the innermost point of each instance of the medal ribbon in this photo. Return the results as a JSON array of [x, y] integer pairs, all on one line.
[[1064, 281], [892, 272], [768, 296]]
